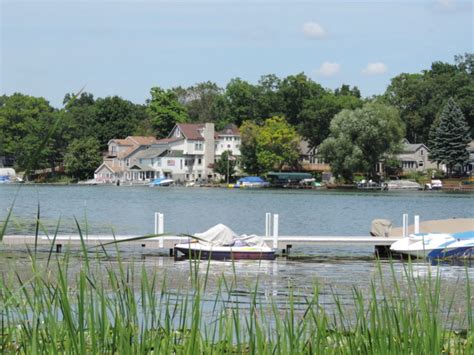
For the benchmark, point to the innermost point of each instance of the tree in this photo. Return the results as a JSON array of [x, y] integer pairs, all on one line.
[[420, 97], [200, 101], [226, 165], [295, 90], [248, 148], [82, 158], [165, 111], [317, 114], [360, 138], [25, 122], [277, 145], [241, 100], [450, 137]]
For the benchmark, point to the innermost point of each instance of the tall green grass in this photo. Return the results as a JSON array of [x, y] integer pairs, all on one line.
[[83, 304]]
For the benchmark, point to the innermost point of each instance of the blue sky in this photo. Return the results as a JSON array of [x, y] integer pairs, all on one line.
[[49, 48]]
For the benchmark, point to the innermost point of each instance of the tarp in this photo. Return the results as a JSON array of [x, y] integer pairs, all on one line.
[[380, 228], [221, 235]]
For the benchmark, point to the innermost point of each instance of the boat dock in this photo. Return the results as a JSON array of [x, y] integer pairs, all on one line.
[[160, 241], [167, 243]]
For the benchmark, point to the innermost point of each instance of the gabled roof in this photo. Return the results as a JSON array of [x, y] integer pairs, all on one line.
[[412, 148], [141, 167], [113, 169], [173, 154], [141, 140], [229, 130], [191, 131], [167, 140], [150, 153]]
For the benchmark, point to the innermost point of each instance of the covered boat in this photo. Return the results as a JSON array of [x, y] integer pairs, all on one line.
[[221, 243], [436, 245], [251, 181], [402, 185]]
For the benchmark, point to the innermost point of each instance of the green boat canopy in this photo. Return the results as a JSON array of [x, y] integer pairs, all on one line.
[[288, 176]]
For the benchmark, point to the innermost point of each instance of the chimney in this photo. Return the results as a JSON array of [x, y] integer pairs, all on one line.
[[209, 150]]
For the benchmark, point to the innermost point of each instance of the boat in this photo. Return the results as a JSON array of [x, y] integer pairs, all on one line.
[[7, 175], [434, 185], [162, 181], [402, 185], [251, 182], [221, 243], [370, 185], [436, 245]]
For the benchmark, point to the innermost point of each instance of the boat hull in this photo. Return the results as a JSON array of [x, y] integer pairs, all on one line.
[[223, 253], [436, 246]]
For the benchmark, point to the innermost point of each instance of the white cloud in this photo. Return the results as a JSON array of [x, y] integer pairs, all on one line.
[[314, 30], [375, 69], [328, 69]]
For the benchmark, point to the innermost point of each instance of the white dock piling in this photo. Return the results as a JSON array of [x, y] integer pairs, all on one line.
[[417, 224], [405, 225], [275, 231], [159, 226], [268, 224]]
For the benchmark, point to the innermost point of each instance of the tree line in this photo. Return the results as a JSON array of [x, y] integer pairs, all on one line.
[[295, 106]]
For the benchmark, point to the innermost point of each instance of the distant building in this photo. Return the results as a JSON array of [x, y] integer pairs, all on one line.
[[310, 160], [470, 164], [414, 157], [187, 154]]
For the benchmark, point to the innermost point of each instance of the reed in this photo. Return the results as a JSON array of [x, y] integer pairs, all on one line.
[[70, 304], [85, 303]]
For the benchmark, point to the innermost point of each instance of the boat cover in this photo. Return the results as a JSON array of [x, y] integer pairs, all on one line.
[[221, 235], [381, 228]]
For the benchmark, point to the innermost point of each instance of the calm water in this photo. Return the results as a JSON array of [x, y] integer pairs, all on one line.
[[130, 210]]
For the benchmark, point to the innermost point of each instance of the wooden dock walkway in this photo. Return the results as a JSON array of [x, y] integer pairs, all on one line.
[[284, 243]]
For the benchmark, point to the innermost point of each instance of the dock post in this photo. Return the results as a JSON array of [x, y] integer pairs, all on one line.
[[417, 224], [275, 231], [159, 227], [268, 221], [405, 225]]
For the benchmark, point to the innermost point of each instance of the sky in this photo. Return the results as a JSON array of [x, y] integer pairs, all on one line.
[[50, 48]]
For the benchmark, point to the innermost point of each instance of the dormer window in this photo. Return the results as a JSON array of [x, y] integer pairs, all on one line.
[[421, 151]]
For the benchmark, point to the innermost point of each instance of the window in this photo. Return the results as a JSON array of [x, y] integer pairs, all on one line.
[[198, 146], [199, 161], [421, 152]]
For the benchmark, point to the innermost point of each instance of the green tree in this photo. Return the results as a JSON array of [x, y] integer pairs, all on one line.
[[420, 97], [226, 165], [200, 101], [450, 137], [24, 123], [82, 158], [360, 138], [248, 148], [116, 118], [164, 111], [241, 101], [294, 91], [277, 144], [317, 114]]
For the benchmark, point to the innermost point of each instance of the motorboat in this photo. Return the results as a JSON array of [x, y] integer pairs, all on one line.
[[402, 185], [221, 243], [434, 185], [369, 185], [436, 245], [162, 181], [251, 182]]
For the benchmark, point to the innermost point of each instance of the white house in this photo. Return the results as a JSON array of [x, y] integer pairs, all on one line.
[[187, 154], [414, 157]]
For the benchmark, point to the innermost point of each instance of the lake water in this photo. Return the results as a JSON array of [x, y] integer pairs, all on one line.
[[130, 210]]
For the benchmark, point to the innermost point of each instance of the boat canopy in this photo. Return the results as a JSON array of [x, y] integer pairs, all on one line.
[[221, 235]]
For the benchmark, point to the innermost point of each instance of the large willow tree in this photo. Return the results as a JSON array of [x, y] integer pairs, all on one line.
[[360, 138]]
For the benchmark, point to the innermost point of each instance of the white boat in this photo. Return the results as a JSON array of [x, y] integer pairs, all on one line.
[[221, 243], [162, 181], [436, 245], [402, 185]]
